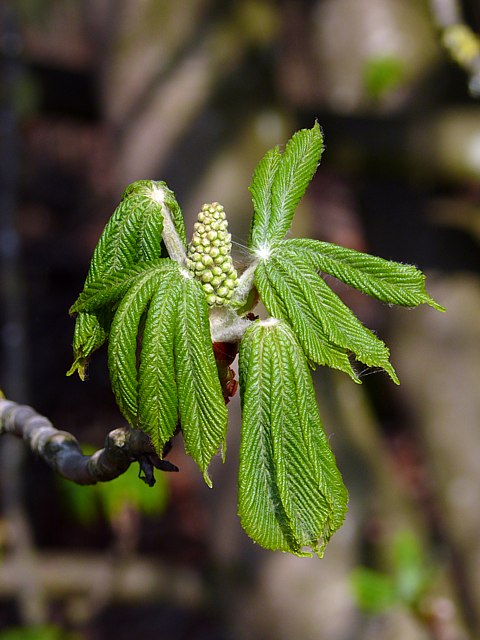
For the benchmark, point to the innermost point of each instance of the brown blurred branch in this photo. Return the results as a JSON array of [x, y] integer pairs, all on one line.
[[95, 580], [62, 452]]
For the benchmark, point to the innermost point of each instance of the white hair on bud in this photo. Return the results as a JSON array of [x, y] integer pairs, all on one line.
[[244, 284], [263, 252], [270, 322], [226, 325]]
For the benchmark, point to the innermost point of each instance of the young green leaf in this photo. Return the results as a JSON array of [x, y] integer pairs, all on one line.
[[279, 183], [133, 234], [261, 190], [122, 349], [388, 281], [281, 302], [317, 314], [106, 292], [299, 163], [203, 415], [157, 388], [89, 334], [291, 494]]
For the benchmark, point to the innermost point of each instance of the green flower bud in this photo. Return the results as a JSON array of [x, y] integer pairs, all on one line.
[[209, 255], [222, 292]]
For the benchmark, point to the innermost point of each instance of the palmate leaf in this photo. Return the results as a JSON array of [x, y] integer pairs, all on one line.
[[203, 414], [279, 183], [385, 280], [317, 314], [161, 358], [291, 494], [278, 298], [133, 234], [147, 397]]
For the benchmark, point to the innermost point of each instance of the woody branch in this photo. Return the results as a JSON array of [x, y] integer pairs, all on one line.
[[62, 452]]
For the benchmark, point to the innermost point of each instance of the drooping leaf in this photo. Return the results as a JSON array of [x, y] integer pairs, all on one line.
[[122, 348], [313, 309], [157, 388], [133, 234], [107, 291], [261, 190], [89, 334], [291, 494], [388, 281], [203, 415]]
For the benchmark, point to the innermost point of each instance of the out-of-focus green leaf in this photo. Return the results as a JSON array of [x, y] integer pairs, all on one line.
[[383, 74], [47, 632], [410, 570], [129, 490], [404, 583], [86, 503], [374, 591]]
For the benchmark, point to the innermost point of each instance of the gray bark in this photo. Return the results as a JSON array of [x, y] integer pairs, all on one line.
[[62, 452]]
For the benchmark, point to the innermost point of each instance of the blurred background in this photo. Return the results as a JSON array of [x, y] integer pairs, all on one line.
[[97, 93]]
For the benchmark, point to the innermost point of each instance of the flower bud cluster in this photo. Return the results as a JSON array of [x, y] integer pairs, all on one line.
[[209, 255]]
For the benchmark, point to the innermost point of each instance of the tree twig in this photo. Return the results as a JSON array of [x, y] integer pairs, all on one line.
[[62, 452]]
